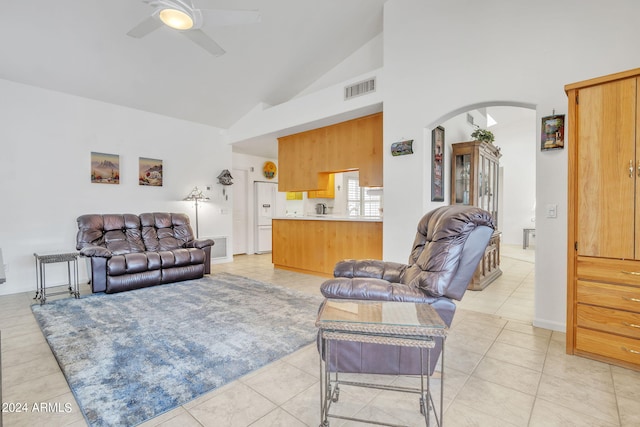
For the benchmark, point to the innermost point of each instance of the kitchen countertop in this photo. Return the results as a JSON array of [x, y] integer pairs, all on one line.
[[330, 217]]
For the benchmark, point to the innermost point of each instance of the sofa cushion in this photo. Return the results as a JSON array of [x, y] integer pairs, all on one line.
[[181, 257], [165, 231], [118, 233], [133, 263]]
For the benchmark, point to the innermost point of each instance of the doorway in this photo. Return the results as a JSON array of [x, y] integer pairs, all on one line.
[[512, 294], [240, 212]]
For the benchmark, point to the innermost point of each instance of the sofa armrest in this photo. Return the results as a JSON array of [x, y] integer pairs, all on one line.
[[96, 251], [370, 268], [199, 243], [371, 289]]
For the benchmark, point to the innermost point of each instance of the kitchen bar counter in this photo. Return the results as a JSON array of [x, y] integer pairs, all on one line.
[[330, 217], [315, 244]]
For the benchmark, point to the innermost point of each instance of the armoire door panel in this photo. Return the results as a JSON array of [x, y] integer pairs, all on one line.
[[606, 170], [637, 222]]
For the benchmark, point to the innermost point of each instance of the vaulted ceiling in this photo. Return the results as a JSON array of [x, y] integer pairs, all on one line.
[[80, 47]]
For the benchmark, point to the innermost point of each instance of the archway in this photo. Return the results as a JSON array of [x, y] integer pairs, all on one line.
[[518, 142], [478, 106]]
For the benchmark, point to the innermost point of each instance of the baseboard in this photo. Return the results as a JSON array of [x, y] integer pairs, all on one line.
[[548, 324]]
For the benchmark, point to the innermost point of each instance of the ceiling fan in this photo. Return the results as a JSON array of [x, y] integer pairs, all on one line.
[[182, 16]]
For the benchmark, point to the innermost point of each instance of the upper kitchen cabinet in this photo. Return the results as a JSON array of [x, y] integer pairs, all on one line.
[[306, 159], [327, 193]]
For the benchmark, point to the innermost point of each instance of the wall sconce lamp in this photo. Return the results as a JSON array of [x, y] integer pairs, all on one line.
[[196, 196]]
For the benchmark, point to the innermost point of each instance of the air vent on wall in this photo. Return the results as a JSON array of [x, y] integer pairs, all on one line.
[[360, 88], [219, 250]]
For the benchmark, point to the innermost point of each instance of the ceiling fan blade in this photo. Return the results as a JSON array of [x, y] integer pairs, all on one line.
[[204, 41], [145, 27], [223, 17]]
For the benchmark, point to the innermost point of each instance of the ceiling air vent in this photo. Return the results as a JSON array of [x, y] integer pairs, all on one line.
[[360, 88]]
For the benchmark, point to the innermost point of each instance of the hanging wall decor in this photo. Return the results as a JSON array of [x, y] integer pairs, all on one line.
[[269, 170], [150, 172], [402, 148], [552, 132], [225, 177], [105, 168], [437, 164]]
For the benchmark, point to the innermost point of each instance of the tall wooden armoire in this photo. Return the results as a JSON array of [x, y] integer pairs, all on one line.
[[603, 263], [474, 182]]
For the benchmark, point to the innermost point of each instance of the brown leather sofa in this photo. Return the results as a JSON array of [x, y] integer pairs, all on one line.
[[446, 251], [129, 251]]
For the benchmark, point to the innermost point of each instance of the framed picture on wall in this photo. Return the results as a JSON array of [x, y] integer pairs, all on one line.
[[437, 164], [150, 172], [105, 168], [552, 132]]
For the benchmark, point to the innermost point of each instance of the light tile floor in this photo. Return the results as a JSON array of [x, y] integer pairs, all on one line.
[[500, 370]]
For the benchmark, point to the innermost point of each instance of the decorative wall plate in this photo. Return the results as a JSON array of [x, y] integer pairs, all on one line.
[[269, 170]]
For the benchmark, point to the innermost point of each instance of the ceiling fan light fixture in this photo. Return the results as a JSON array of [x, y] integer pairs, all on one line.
[[176, 19]]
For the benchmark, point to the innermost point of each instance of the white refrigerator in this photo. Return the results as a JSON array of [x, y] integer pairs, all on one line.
[[269, 204]]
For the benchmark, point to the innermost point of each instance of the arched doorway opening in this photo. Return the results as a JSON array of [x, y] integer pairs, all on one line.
[[514, 127]]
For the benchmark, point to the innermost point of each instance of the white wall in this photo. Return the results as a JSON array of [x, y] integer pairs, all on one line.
[[499, 50], [367, 58], [518, 145], [321, 108], [47, 139]]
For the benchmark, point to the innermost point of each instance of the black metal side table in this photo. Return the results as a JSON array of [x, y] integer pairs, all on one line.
[[42, 259]]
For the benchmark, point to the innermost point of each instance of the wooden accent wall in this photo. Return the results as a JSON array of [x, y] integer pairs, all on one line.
[[315, 246]]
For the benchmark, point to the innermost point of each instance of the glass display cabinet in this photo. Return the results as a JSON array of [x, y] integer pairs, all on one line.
[[474, 182]]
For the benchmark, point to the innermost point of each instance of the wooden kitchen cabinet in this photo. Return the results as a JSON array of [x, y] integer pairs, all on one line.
[[315, 246], [328, 193], [294, 195], [603, 256], [298, 159], [306, 159]]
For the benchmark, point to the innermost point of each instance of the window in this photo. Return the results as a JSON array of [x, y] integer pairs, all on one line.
[[361, 201]]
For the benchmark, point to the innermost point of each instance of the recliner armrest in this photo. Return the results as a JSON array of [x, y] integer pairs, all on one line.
[[370, 268], [96, 251], [371, 289], [199, 243]]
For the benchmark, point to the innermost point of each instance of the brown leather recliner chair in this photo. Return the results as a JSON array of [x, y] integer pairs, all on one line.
[[448, 246]]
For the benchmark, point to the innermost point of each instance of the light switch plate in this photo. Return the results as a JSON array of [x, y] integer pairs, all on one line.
[[552, 211]]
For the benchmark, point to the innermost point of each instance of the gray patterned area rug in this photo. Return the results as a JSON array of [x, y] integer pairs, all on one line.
[[131, 356]]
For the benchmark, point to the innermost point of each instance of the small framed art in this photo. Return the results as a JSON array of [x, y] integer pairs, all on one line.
[[552, 132], [437, 164], [105, 168], [150, 172], [402, 148]]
